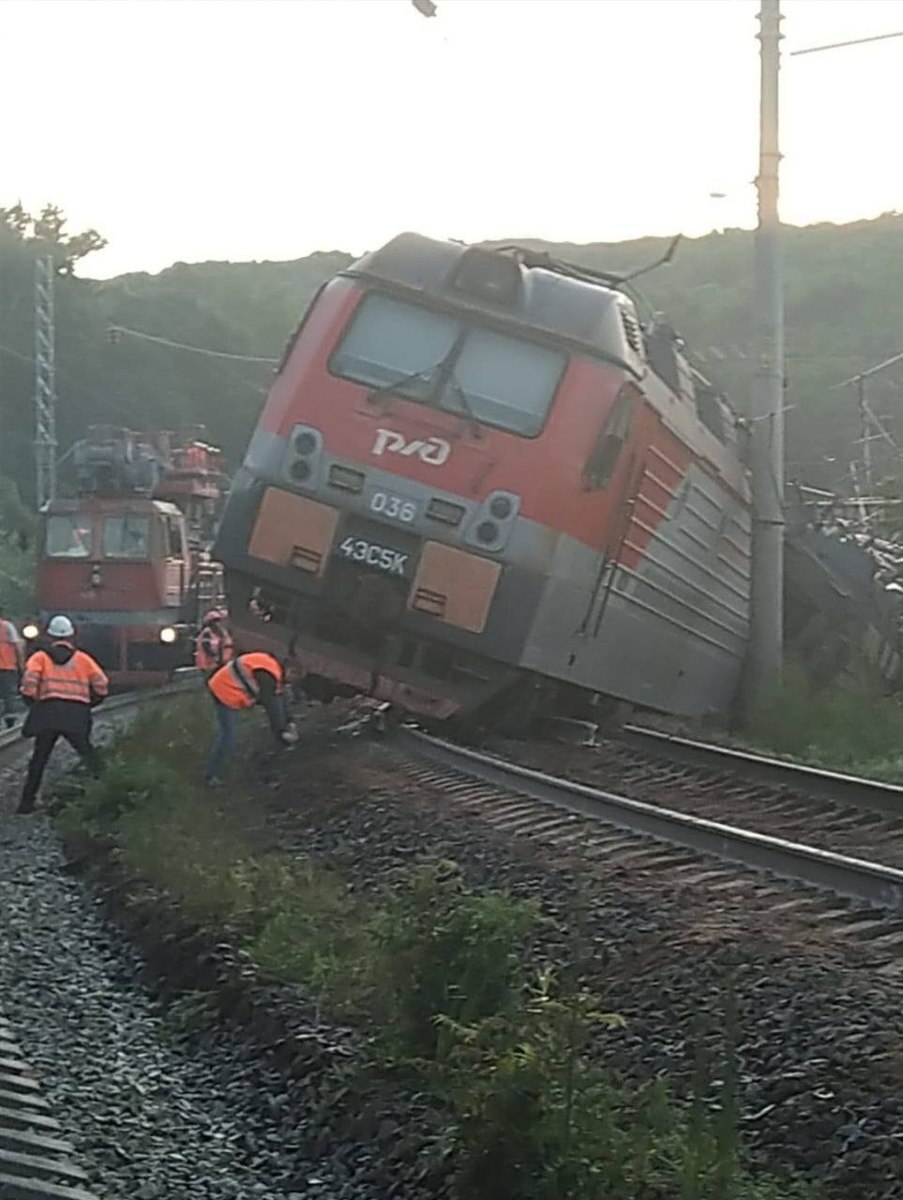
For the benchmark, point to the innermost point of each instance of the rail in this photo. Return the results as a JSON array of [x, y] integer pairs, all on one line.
[[877, 885], [186, 680], [833, 785]]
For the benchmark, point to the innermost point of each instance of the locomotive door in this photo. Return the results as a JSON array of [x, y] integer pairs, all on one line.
[[175, 565]]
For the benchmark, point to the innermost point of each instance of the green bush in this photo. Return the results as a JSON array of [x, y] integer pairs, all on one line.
[[448, 955], [851, 729], [316, 934]]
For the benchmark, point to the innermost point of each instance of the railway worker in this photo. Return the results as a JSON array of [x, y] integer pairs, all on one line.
[[213, 647], [61, 685], [12, 649], [249, 679]]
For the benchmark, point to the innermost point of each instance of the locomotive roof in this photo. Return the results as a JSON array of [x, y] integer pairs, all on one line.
[[539, 297]]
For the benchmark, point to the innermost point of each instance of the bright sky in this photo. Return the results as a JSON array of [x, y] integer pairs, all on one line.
[[254, 129]]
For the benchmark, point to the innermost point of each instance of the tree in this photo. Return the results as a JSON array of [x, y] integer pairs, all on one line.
[[47, 233]]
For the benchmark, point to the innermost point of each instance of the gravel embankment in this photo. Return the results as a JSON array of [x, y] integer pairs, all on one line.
[[820, 1027], [152, 1116], [152, 1119]]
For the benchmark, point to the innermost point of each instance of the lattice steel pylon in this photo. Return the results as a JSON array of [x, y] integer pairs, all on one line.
[[44, 382]]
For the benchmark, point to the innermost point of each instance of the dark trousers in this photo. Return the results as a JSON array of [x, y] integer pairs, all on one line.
[[43, 748], [9, 696]]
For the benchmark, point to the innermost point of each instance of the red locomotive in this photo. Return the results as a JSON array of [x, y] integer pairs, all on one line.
[[479, 484], [127, 558]]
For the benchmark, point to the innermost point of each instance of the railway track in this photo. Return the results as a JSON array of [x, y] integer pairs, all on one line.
[[11, 739], [773, 772], [36, 1162], [858, 896], [840, 814]]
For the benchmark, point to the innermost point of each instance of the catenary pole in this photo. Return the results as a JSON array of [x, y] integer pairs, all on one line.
[[767, 406], [45, 382]]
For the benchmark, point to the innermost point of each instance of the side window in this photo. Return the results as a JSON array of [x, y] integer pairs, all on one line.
[[172, 538], [600, 465], [709, 410]]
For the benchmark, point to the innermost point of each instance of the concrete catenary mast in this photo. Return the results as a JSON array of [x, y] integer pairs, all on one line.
[[767, 401]]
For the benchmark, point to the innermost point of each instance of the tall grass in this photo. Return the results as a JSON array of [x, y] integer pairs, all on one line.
[[855, 729]]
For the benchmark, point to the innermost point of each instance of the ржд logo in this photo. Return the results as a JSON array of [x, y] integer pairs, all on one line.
[[434, 451]]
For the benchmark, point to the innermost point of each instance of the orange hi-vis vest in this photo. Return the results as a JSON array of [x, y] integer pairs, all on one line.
[[77, 679], [234, 684], [213, 649], [9, 646]]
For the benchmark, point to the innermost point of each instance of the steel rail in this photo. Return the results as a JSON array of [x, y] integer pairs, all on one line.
[[833, 785], [877, 885], [186, 681]]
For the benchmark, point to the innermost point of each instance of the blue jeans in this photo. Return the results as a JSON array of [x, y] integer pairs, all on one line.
[[226, 722]]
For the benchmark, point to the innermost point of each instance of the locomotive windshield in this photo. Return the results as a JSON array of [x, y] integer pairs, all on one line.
[[126, 537], [434, 357], [68, 537]]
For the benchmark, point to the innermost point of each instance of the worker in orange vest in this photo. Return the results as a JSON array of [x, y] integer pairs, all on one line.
[[11, 655], [249, 679], [60, 685], [213, 647]]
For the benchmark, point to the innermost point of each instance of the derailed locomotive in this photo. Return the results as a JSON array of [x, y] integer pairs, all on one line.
[[478, 484]]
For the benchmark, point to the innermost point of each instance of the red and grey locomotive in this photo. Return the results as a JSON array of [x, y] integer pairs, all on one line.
[[126, 557], [477, 479]]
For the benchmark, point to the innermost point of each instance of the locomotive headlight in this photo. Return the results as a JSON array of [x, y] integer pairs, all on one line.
[[303, 453], [30, 631], [492, 524], [168, 635]]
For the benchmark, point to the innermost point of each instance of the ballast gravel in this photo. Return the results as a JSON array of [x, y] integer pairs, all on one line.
[[818, 1023], [151, 1118]]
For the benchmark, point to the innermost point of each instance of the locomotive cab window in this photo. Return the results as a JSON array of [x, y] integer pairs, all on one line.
[[441, 360], [507, 382], [710, 411], [126, 537], [172, 538], [68, 537], [602, 462], [390, 341]]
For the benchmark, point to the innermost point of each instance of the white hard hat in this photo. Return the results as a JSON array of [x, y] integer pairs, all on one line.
[[60, 627]]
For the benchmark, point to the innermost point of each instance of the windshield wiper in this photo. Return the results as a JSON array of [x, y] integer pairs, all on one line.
[[466, 407], [394, 384], [425, 373]]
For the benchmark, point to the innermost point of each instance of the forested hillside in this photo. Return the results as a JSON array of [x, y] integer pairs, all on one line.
[[844, 312]]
